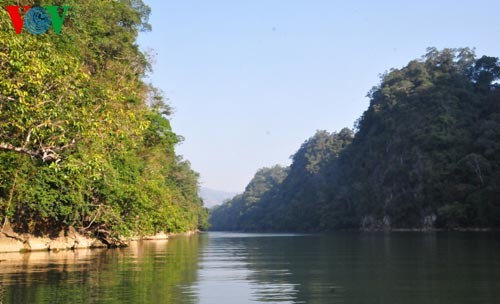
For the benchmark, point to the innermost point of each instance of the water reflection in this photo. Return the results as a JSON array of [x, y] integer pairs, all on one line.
[[255, 268], [350, 268], [146, 272], [260, 269]]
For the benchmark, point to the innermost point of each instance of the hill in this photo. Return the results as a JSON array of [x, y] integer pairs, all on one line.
[[424, 155]]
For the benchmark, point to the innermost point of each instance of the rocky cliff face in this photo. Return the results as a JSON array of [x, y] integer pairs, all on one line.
[[11, 241], [69, 239]]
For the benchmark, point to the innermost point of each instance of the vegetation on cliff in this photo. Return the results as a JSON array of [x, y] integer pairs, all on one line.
[[426, 154], [84, 141]]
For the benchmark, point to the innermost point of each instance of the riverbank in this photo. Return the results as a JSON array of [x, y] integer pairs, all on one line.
[[69, 239]]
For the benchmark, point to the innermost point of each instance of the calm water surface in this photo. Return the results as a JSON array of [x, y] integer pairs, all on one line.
[[265, 268]]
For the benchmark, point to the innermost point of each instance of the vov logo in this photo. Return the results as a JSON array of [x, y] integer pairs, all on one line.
[[37, 19]]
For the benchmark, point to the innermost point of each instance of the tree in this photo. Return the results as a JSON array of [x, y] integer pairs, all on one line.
[[426, 154], [84, 141]]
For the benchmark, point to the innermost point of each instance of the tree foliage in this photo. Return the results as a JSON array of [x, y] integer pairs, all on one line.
[[84, 141], [285, 198], [426, 154]]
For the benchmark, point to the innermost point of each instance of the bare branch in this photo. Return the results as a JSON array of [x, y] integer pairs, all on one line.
[[9, 147], [45, 153]]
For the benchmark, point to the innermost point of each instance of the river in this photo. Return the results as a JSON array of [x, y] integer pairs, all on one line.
[[239, 268]]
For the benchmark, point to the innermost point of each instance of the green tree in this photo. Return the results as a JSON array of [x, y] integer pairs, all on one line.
[[84, 141], [426, 153]]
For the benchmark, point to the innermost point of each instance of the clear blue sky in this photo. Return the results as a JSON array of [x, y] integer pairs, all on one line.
[[250, 80]]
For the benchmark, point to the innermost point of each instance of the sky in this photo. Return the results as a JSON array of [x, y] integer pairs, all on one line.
[[251, 80]]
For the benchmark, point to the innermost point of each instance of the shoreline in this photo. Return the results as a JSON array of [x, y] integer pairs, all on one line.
[[427, 230], [12, 242]]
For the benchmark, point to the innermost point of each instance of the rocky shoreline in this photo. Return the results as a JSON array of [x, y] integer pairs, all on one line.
[[69, 239]]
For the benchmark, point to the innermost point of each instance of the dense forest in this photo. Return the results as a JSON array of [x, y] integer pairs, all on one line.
[[84, 140], [425, 154]]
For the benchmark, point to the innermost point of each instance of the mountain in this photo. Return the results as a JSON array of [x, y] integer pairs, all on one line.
[[424, 155], [212, 197]]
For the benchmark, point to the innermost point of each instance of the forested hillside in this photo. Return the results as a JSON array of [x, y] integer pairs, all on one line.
[[84, 141], [426, 154]]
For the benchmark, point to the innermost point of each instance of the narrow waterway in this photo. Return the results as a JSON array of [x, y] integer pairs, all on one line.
[[272, 268]]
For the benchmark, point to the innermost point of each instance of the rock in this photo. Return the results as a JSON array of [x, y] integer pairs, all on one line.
[[61, 244], [82, 242], [8, 232], [428, 221], [188, 233], [159, 236], [67, 239], [11, 245], [371, 223], [97, 244], [386, 222], [113, 242], [38, 243]]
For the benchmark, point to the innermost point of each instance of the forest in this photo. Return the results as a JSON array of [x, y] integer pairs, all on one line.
[[85, 141], [424, 155]]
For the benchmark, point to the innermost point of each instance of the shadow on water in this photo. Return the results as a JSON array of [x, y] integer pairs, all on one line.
[[145, 272], [358, 267], [232, 268]]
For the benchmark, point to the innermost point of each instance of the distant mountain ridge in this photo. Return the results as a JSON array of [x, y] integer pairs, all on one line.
[[212, 197]]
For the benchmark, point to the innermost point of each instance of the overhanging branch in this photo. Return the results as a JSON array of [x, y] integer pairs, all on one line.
[[46, 154]]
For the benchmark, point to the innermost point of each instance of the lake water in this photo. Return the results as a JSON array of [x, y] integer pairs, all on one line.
[[265, 268]]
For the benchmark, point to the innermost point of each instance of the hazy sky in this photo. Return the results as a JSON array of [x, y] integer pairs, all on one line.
[[250, 80]]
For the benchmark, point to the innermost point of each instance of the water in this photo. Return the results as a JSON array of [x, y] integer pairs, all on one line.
[[265, 268]]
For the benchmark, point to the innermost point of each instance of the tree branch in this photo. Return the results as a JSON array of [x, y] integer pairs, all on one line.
[[9, 147], [46, 154]]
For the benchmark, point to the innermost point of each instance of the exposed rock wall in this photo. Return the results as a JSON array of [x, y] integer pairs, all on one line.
[[68, 239], [11, 241]]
